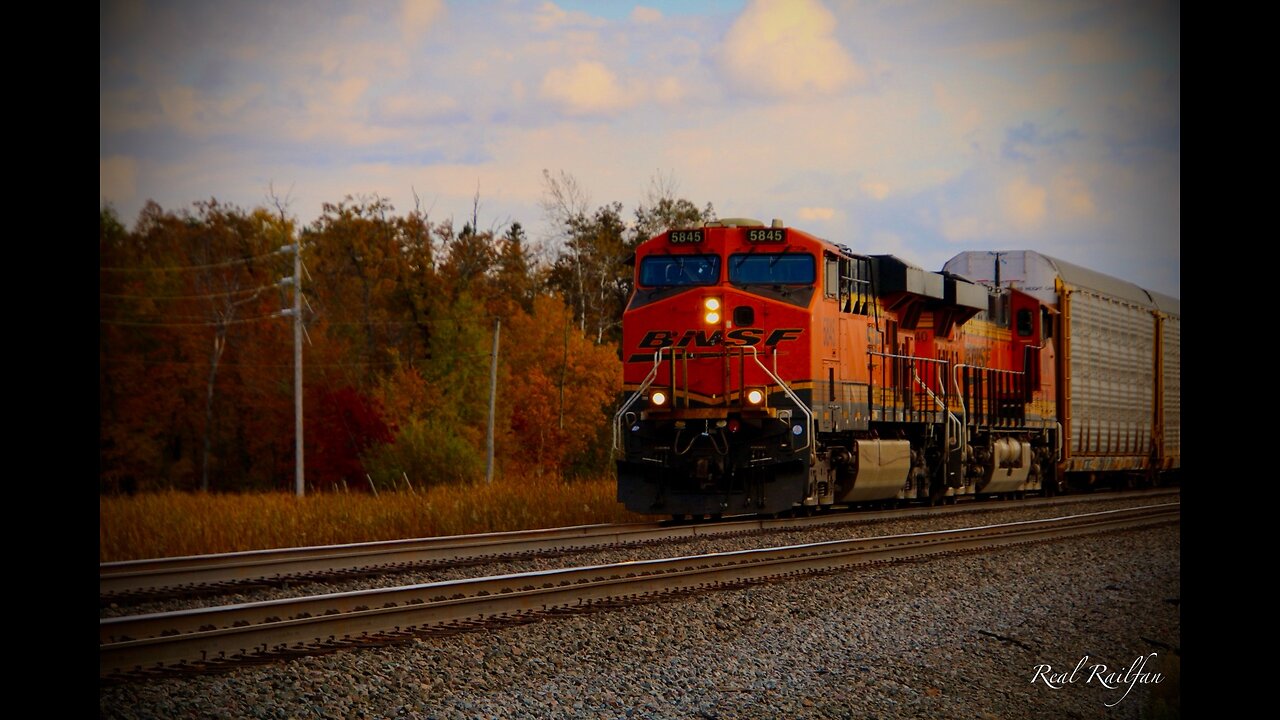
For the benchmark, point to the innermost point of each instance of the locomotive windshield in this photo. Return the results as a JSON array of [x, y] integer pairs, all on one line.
[[669, 270], [771, 269]]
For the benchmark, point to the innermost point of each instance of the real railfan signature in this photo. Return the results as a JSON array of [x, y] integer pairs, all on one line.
[[1134, 674]]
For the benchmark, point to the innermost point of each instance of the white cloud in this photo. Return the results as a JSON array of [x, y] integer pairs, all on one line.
[[1098, 46], [586, 88], [816, 213], [347, 92], [965, 228], [179, 106], [645, 15], [282, 93], [118, 178], [123, 111], [890, 243], [669, 90], [417, 16], [550, 16], [787, 48], [1025, 203], [876, 189], [1072, 196], [186, 109], [416, 107], [962, 110]]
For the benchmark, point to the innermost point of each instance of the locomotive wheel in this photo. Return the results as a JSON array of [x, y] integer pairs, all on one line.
[[1054, 483], [937, 492]]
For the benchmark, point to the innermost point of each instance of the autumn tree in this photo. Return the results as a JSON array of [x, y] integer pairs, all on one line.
[[177, 294], [568, 385], [371, 275], [469, 259], [593, 271], [564, 204], [516, 280], [440, 404], [195, 358], [661, 211], [593, 268]]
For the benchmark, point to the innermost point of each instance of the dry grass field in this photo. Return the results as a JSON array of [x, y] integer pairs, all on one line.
[[167, 524]]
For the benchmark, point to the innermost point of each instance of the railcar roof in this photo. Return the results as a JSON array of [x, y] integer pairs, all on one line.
[[1034, 272]]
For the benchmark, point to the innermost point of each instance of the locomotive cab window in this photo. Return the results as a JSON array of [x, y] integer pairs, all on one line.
[[830, 276], [674, 270], [855, 285], [771, 269], [1025, 326]]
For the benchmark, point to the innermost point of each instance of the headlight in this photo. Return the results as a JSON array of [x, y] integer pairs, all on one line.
[[755, 396], [713, 310], [658, 398]]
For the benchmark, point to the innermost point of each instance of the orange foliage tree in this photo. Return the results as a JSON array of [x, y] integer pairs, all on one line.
[[567, 387], [196, 360]]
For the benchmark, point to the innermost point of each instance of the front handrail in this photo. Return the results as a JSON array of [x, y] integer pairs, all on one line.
[[653, 374], [648, 380], [808, 414]]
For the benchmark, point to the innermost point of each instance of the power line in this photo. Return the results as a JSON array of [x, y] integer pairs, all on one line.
[[166, 319], [187, 297], [179, 268], [319, 317], [144, 361], [370, 322], [190, 324]]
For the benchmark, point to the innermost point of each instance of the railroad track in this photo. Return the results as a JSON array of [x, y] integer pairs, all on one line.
[[215, 638], [164, 578]]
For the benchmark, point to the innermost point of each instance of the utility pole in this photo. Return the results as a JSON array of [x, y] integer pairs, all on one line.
[[493, 397], [564, 366], [300, 488]]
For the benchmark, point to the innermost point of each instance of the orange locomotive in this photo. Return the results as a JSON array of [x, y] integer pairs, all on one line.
[[767, 370]]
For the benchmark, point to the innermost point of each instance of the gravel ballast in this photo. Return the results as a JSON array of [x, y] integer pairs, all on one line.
[[858, 525], [979, 635]]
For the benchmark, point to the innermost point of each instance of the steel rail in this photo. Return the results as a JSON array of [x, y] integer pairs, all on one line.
[[133, 575], [121, 579], [141, 642]]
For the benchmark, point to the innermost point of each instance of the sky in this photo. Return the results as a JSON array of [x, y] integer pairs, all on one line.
[[919, 128]]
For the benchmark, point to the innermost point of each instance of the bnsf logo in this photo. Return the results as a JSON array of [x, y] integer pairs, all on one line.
[[655, 339]]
